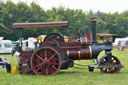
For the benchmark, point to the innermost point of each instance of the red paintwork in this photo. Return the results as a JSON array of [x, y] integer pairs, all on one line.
[[54, 52], [41, 24], [83, 41], [61, 47], [89, 37], [79, 55], [46, 61], [24, 62]]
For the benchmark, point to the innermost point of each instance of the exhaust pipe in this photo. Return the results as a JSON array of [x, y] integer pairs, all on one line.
[[93, 25]]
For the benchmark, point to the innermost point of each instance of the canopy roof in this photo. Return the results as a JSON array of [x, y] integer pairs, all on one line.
[[41, 24]]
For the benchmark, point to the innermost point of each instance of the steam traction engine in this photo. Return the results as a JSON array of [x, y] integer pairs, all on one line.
[[55, 54]]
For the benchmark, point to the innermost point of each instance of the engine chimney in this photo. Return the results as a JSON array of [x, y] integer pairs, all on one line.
[[93, 24]]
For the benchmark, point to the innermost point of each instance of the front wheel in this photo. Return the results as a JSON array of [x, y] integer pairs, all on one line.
[[111, 67]]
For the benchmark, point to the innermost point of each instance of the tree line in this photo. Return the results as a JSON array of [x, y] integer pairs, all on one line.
[[78, 20]]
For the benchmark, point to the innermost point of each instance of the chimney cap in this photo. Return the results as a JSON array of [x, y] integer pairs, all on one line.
[[93, 18]]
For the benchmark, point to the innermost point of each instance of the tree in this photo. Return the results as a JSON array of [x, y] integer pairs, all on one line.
[[78, 21]]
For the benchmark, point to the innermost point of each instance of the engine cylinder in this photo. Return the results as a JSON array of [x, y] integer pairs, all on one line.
[[85, 53], [83, 41]]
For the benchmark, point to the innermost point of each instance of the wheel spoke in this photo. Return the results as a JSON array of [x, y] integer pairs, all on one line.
[[45, 54], [39, 68], [114, 61], [109, 70], [53, 63], [46, 61], [104, 62], [54, 59], [54, 67], [43, 68], [40, 64], [106, 59], [40, 58], [46, 70], [50, 69], [51, 57], [105, 70]]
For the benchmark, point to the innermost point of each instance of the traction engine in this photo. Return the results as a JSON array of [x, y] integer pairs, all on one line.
[[54, 53]]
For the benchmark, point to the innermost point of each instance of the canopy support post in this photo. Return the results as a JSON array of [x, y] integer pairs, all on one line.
[[20, 35]]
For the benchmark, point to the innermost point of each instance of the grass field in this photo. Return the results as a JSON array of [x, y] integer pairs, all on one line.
[[70, 76]]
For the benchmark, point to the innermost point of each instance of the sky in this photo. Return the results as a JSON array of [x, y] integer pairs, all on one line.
[[108, 6]]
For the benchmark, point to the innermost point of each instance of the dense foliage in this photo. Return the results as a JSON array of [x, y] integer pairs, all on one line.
[[79, 21]]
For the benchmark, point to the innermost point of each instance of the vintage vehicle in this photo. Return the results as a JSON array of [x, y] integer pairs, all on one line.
[[54, 53]]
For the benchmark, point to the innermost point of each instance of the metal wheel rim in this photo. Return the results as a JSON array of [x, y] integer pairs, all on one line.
[[41, 65], [104, 61]]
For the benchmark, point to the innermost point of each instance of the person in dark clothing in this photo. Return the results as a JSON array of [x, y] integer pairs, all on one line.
[[8, 67], [4, 63], [1, 62]]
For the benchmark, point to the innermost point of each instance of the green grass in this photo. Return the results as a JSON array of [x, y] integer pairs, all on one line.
[[70, 76]]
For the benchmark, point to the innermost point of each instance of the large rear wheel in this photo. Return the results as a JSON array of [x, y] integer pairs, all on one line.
[[46, 61]]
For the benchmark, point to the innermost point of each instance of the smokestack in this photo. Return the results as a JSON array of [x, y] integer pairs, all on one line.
[[93, 25]]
